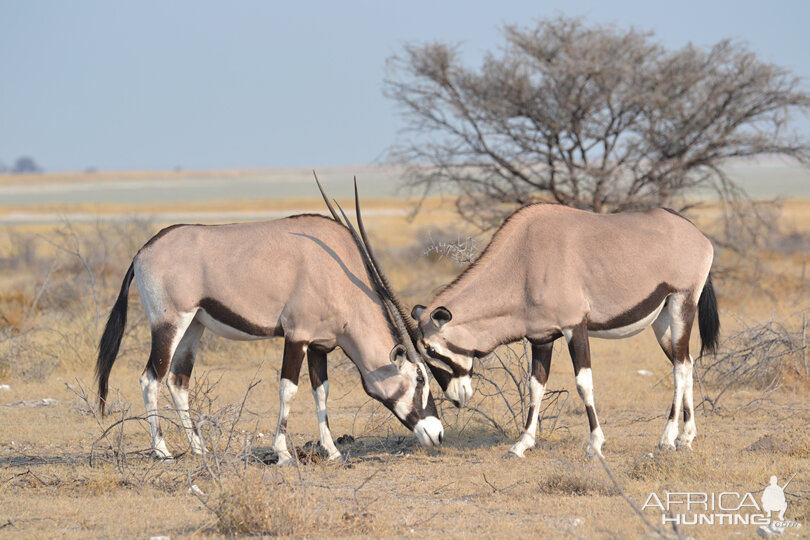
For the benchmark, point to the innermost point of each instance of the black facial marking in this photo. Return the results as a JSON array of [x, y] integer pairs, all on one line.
[[417, 412], [441, 376], [221, 313], [458, 371]]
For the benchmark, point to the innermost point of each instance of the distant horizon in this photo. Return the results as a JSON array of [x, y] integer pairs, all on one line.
[[768, 161], [762, 178]]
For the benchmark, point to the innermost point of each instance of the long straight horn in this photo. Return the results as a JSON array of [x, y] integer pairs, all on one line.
[[325, 198], [409, 324], [389, 305], [394, 313]]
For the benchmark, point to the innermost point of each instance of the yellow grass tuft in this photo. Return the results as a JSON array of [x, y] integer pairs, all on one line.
[[256, 504]]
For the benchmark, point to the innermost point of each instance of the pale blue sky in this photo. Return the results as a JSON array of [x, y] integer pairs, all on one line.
[[244, 84]]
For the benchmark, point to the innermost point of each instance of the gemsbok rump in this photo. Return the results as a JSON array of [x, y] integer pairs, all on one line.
[[304, 278], [552, 271]]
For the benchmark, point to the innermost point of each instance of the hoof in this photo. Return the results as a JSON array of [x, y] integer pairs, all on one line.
[[511, 454], [591, 454], [338, 458], [285, 462], [683, 445], [666, 447]]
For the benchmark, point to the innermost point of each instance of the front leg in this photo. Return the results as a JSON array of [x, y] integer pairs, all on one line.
[[316, 363], [541, 363], [579, 347], [290, 369]]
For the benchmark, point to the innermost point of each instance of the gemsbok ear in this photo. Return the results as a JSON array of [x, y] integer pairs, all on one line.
[[441, 316], [399, 355], [417, 311]]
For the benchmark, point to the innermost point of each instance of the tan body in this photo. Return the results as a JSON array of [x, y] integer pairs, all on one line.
[[303, 278], [552, 271]]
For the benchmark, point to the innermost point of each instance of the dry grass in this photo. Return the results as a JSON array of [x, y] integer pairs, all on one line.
[[258, 504], [58, 283]]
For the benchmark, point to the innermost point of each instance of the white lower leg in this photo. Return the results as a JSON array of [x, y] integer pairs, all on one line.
[[287, 390], [321, 394], [527, 439], [689, 428], [180, 397], [671, 429], [149, 387], [584, 381]]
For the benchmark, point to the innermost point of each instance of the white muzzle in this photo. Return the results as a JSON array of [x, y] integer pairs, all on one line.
[[459, 390], [429, 431]]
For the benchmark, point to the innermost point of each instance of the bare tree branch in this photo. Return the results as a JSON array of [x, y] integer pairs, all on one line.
[[594, 117]]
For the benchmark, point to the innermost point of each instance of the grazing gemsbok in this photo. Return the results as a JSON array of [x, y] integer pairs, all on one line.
[[306, 278], [553, 271]]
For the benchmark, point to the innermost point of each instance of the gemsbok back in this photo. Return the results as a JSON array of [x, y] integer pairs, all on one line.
[[552, 271], [306, 278]]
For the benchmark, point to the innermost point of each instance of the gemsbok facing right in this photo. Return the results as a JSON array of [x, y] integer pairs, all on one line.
[[552, 271]]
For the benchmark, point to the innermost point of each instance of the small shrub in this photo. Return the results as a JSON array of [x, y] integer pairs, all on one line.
[[254, 504]]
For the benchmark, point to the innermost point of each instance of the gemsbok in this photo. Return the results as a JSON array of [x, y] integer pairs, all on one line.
[[306, 278], [551, 271]]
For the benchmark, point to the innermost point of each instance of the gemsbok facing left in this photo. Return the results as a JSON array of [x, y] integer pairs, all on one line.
[[551, 272], [306, 278]]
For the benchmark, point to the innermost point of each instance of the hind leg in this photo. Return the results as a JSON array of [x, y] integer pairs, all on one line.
[[166, 336], [179, 377], [316, 364], [673, 329], [290, 370]]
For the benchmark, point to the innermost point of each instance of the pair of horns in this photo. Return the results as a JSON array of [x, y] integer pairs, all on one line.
[[405, 327]]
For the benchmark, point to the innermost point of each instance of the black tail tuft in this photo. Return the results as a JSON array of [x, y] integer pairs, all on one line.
[[708, 318], [111, 339]]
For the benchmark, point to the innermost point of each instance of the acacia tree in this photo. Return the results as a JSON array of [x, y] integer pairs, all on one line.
[[593, 117]]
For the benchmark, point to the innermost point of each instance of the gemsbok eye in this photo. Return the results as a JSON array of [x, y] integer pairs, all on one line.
[[420, 379]]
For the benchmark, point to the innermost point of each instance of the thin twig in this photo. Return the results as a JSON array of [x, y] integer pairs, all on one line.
[[633, 505]]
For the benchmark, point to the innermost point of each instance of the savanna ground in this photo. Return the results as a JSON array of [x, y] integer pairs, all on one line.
[[64, 471]]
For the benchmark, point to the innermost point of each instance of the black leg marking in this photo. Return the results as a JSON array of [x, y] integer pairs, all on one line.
[[316, 365], [541, 361], [579, 347], [161, 353], [293, 358]]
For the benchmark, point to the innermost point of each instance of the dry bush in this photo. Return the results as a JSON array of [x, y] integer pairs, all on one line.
[[759, 357], [258, 504], [53, 312], [448, 244]]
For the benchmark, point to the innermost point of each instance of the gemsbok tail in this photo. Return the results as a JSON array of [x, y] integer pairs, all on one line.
[[708, 318], [111, 339]]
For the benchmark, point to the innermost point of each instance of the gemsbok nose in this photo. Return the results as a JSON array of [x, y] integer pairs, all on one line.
[[429, 431]]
